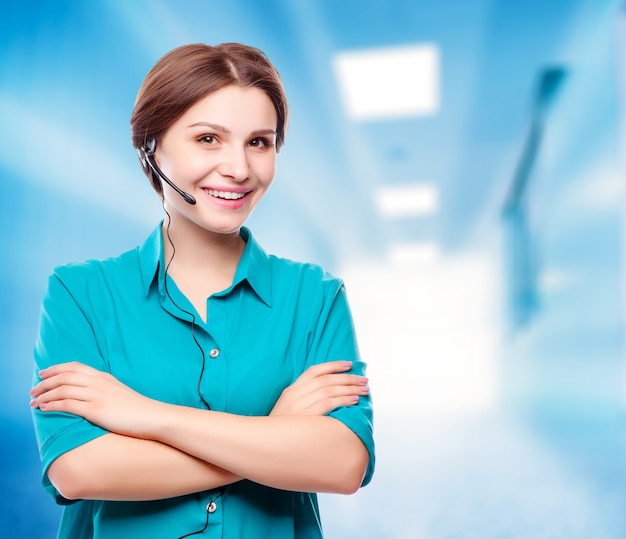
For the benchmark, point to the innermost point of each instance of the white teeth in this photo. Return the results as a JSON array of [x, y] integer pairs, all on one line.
[[225, 194]]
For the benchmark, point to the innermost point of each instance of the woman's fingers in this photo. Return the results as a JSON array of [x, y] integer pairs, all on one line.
[[327, 395], [63, 387], [321, 369], [321, 388], [71, 366], [340, 380], [330, 384], [329, 373], [96, 396], [70, 399], [72, 373], [58, 380]]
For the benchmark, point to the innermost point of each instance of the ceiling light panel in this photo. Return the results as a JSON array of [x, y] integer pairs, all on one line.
[[419, 253], [413, 200], [391, 82]]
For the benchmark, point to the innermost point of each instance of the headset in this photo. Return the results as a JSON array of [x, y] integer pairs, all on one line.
[[146, 156]]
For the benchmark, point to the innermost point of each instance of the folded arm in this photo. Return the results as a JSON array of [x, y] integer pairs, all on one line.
[[301, 453], [123, 468], [161, 450]]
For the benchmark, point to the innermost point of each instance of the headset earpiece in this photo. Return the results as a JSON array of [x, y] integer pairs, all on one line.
[[150, 147], [146, 152], [146, 156]]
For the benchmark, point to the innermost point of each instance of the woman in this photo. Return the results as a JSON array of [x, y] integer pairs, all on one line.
[[196, 385]]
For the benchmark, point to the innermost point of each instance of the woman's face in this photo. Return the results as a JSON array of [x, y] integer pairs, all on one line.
[[222, 151]]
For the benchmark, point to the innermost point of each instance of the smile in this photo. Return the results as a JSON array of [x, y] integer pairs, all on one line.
[[226, 195]]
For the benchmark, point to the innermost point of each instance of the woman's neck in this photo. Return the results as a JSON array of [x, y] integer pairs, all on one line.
[[196, 249], [200, 262]]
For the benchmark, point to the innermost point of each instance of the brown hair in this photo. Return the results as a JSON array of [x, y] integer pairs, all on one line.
[[187, 74]]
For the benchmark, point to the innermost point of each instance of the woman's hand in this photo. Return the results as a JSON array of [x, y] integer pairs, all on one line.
[[97, 396], [321, 388]]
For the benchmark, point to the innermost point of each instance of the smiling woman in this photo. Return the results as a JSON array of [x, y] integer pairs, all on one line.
[[204, 386], [208, 158]]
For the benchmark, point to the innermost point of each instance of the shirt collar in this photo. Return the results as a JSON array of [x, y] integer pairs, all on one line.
[[254, 266], [150, 257]]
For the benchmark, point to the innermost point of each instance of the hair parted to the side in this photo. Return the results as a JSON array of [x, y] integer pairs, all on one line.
[[191, 72]]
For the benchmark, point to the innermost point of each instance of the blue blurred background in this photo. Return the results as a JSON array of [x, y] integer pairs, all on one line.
[[459, 164]]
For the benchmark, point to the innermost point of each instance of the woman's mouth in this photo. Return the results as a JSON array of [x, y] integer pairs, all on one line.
[[225, 195]]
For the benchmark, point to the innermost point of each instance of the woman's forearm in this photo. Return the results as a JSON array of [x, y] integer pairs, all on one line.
[[294, 448], [300, 453], [122, 468]]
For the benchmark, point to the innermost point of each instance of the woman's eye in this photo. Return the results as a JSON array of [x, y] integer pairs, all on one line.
[[208, 139], [260, 142]]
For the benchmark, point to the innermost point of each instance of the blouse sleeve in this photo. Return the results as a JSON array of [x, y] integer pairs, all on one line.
[[65, 334], [334, 339]]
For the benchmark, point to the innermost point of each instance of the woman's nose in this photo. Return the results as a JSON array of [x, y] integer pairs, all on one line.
[[235, 164]]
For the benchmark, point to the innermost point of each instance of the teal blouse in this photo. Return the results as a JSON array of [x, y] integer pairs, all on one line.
[[276, 319]]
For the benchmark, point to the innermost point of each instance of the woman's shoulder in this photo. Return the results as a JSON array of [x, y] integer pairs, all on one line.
[[290, 272], [97, 269], [285, 272]]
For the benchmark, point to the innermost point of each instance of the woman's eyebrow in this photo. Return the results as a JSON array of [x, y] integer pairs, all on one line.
[[263, 132], [216, 127], [222, 129]]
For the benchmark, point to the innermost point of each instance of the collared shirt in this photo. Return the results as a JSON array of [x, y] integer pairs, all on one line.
[[121, 316]]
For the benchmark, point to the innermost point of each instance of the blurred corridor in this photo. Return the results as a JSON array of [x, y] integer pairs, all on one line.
[[460, 165]]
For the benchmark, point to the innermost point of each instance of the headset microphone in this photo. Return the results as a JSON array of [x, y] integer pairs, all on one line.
[[146, 155]]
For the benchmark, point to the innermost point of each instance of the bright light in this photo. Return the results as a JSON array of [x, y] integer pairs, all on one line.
[[429, 333], [389, 82], [407, 200], [413, 253]]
